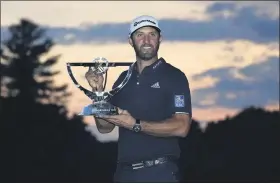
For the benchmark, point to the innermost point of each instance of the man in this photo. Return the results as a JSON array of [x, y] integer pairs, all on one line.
[[154, 110]]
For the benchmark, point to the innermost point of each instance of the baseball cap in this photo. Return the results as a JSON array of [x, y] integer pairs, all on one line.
[[143, 21]]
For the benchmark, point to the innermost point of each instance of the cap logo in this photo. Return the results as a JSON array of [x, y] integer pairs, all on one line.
[[136, 23]]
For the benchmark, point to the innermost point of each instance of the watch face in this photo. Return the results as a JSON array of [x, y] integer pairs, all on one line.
[[136, 128]]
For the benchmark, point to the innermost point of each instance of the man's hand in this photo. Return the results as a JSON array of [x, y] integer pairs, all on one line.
[[95, 80], [123, 119]]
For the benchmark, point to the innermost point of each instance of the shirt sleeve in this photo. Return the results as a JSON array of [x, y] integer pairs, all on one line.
[[180, 95]]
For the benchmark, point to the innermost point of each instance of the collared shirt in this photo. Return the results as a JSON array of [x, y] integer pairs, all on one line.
[[160, 91]]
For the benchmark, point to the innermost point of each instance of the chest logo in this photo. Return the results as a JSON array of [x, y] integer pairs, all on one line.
[[179, 101], [155, 85]]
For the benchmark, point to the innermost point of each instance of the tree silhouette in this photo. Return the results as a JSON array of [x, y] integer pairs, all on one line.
[[34, 124], [25, 74], [243, 148]]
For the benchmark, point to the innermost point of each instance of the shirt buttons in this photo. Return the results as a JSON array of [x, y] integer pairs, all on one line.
[[137, 83]]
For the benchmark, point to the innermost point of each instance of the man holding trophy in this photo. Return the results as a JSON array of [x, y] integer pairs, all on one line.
[[153, 109]]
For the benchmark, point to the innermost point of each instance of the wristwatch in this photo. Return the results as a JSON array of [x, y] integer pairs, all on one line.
[[137, 126]]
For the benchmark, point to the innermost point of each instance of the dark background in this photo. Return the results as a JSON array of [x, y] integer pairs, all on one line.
[[41, 144]]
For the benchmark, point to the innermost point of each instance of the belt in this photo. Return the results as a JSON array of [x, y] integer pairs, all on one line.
[[147, 163]]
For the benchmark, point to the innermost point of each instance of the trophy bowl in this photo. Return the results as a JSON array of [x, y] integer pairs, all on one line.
[[100, 100]]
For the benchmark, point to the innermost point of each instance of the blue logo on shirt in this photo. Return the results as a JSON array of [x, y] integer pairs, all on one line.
[[179, 101]]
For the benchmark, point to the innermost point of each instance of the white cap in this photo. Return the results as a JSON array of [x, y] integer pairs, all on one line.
[[143, 21]]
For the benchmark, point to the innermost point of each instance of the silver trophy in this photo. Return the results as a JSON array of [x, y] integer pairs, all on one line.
[[100, 105]]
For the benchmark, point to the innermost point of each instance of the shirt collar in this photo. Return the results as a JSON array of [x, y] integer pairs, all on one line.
[[153, 67]]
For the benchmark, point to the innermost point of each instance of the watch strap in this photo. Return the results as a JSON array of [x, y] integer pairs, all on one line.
[[137, 122]]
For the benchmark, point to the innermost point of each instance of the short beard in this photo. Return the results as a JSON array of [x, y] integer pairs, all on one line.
[[145, 56]]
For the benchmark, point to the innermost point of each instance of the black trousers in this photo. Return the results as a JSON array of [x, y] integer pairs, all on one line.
[[162, 173]]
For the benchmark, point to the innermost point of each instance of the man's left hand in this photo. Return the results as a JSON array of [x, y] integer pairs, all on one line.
[[123, 119]]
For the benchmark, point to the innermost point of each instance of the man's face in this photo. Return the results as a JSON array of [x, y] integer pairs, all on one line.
[[145, 42]]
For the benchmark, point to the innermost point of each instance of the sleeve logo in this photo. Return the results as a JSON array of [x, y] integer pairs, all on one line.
[[179, 101]]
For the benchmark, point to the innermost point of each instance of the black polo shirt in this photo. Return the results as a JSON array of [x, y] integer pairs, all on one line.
[[158, 92]]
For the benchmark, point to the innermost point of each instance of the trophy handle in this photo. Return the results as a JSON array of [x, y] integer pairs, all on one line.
[[90, 94], [123, 83]]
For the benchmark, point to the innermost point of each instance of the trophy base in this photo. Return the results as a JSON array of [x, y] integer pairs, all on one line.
[[99, 108]]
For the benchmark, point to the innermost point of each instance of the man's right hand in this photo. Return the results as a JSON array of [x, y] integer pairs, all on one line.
[[95, 80]]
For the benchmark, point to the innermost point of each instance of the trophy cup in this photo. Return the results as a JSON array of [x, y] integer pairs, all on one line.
[[100, 105]]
